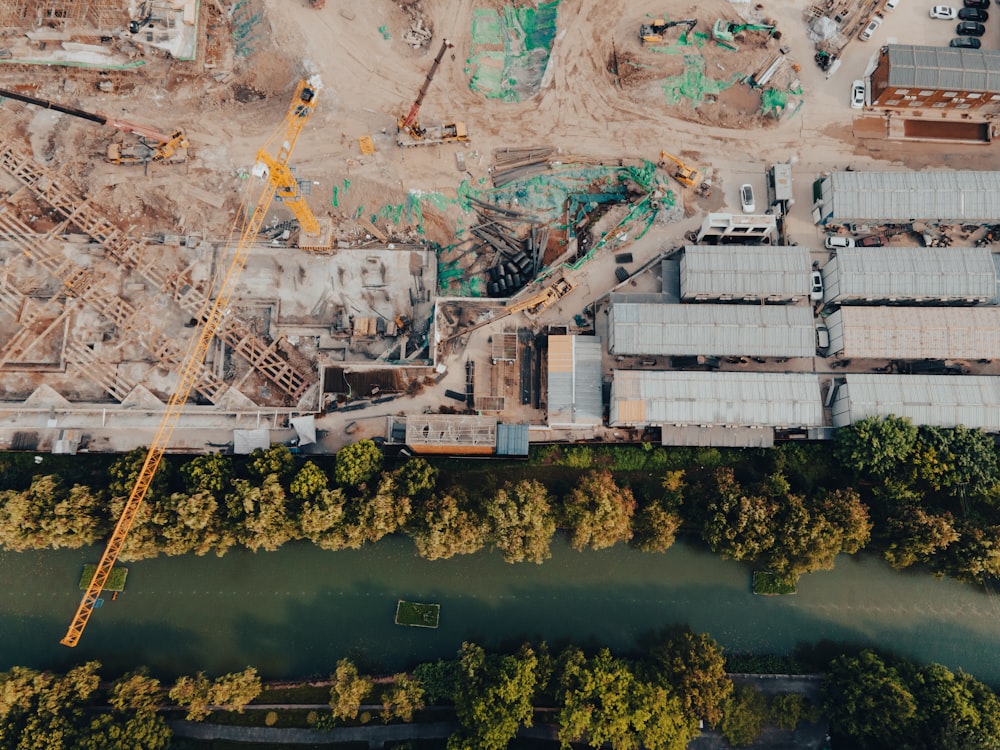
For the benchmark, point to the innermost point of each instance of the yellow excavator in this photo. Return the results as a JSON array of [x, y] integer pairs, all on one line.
[[685, 175], [153, 145], [652, 33]]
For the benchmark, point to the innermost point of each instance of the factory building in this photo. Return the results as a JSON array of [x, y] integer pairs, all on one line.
[[936, 275], [574, 381], [965, 197], [915, 332], [745, 272], [932, 400], [653, 329], [716, 408]]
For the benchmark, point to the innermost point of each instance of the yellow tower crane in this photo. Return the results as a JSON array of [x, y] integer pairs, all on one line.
[[278, 182]]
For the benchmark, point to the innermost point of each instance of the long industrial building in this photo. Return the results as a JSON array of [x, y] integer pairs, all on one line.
[[745, 272], [716, 408], [901, 197], [574, 381], [933, 400], [915, 332], [641, 328], [873, 275]]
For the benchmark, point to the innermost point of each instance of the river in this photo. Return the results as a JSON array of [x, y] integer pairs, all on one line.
[[295, 612]]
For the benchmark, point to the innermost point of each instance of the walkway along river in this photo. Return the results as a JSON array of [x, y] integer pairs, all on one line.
[[295, 612]]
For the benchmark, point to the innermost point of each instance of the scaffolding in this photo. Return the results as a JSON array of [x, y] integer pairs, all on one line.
[[64, 15]]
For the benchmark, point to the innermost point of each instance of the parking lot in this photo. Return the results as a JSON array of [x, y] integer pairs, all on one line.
[[910, 23]]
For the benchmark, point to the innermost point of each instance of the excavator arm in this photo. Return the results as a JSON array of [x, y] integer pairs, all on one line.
[[409, 124], [211, 319]]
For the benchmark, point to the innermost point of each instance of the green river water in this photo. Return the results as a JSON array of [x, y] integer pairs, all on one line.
[[295, 612]]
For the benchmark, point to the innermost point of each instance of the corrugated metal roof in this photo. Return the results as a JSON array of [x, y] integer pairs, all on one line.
[[910, 273], [512, 439], [935, 400], [915, 332], [745, 271], [746, 399], [574, 396], [728, 437], [910, 196], [944, 68], [721, 330]]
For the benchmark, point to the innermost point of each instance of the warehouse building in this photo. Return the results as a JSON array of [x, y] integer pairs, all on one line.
[[932, 400], [911, 77], [873, 275], [716, 408], [899, 197], [574, 387], [745, 272], [651, 329], [915, 332]]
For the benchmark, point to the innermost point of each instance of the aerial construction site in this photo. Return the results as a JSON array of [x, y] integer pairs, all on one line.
[[376, 214]]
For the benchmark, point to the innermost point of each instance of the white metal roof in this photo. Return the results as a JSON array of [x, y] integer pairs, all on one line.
[[965, 196], [943, 68], [574, 368], [745, 271], [721, 330], [935, 400], [746, 399], [910, 273], [915, 332]]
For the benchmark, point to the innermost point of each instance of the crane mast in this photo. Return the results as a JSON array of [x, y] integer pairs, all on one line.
[[409, 123], [276, 174]]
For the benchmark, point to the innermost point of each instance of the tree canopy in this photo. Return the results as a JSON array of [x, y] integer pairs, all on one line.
[[599, 512]]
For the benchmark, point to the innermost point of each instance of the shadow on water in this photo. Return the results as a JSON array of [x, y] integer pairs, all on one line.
[[296, 611]]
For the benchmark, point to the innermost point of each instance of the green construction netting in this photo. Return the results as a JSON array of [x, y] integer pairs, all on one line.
[[693, 84], [510, 50]]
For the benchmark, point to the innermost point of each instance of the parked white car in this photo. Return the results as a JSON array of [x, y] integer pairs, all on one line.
[[858, 94], [871, 28], [891, 4], [835, 243], [822, 338], [944, 12], [746, 199], [816, 293]]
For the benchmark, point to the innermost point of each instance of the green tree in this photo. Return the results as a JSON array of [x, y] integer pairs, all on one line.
[[194, 694], [385, 512], [599, 512], [125, 470], [975, 555], [876, 445], [957, 458], [521, 521], [309, 483], [137, 691], [348, 691], [402, 699], [275, 460], [744, 714], [659, 720], [260, 514], [738, 525], [234, 691], [868, 701], [693, 665], [494, 697], [210, 473], [48, 514], [657, 523], [595, 698], [912, 535], [357, 464], [416, 478], [789, 709], [447, 527]]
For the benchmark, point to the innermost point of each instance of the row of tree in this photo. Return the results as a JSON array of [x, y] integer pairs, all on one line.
[[45, 710], [918, 496], [655, 701]]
